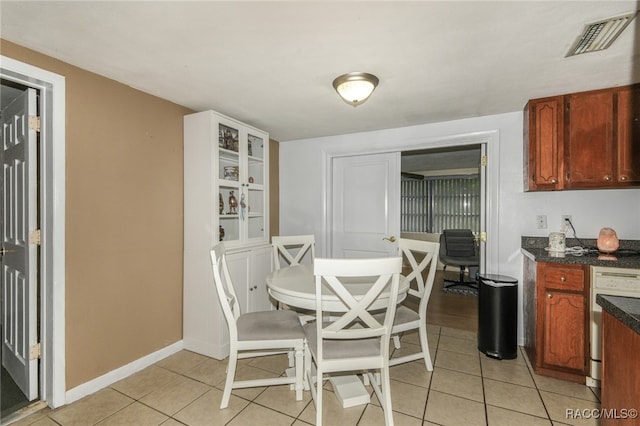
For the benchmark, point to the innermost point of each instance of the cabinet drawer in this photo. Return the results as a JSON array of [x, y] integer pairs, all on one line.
[[563, 278]]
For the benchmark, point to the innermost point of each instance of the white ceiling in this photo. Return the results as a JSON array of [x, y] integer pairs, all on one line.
[[271, 64]]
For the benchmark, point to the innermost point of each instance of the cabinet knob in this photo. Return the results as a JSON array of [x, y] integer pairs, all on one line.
[[607, 178], [549, 296], [554, 180], [563, 279], [623, 178]]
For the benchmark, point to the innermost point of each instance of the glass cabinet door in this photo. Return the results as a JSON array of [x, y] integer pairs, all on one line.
[[255, 187], [229, 184], [242, 183]]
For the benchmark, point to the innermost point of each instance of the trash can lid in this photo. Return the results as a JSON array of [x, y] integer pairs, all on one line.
[[498, 278]]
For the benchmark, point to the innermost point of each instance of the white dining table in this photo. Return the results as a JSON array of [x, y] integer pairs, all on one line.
[[295, 286]]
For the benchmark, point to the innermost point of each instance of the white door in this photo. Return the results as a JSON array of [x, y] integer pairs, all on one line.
[[18, 256], [365, 205]]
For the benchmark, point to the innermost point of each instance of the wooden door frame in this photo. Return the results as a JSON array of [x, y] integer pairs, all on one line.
[[52, 222], [489, 138]]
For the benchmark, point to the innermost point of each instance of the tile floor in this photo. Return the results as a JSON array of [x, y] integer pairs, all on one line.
[[465, 388]]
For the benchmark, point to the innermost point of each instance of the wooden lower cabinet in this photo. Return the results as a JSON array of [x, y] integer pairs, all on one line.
[[563, 337], [620, 372], [556, 319]]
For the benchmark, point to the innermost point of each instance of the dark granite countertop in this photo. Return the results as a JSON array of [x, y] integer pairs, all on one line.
[[625, 309], [534, 248]]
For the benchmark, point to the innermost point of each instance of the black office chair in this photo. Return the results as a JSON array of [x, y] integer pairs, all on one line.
[[458, 248]]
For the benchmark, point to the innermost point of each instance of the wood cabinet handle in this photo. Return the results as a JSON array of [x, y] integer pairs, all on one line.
[[563, 279], [607, 178], [623, 178], [549, 296], [554, 180]]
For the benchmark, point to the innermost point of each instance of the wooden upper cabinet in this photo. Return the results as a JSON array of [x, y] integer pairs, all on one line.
[[589, 143], [583, 140], [544, 137], [628, 128]]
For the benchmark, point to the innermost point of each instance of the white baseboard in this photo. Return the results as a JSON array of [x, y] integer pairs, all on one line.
[[111, 377]]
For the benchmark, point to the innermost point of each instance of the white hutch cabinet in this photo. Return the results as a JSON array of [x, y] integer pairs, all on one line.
[[226, 172]]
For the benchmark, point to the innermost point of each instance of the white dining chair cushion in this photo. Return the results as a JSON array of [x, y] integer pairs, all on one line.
[[403, 315], [269, 325], [334, 349]]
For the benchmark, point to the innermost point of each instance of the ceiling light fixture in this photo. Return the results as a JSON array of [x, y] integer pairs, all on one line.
[[355, 87]]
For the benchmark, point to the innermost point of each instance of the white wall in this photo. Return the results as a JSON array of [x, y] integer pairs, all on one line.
[[302, 171]]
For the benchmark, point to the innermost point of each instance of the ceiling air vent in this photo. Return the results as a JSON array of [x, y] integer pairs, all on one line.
[[600, 35]]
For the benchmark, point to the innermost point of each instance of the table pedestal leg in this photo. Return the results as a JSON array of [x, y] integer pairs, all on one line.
[[350, 391]]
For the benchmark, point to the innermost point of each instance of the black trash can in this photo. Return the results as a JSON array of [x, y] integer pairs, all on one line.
[[498, 316]]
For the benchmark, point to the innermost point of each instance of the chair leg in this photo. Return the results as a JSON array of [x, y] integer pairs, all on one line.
[[396, 341], [424, 344], [385, 384], [231, 372], [299, 373], [319, 397]]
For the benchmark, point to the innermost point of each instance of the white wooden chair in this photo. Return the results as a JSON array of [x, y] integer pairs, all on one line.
[[355, 340], [256, 333], [406, 318], [290, 250]]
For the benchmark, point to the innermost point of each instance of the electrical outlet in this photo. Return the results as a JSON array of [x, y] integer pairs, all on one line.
[[564, 219], [541, 220], [565, 223]]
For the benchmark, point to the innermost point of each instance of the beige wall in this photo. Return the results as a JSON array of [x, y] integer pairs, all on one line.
[[123, 220]]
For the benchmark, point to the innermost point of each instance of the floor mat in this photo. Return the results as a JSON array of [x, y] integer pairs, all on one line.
[[461, 290]]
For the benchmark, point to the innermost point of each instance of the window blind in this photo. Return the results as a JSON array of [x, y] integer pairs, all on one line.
[[437, 203]]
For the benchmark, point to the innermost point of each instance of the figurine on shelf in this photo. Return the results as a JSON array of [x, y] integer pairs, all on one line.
[[221, 232], [243, 206], [228, 139], [233, 203], [221, 208]]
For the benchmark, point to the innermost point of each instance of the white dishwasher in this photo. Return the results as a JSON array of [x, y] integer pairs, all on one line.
[[615, 282]]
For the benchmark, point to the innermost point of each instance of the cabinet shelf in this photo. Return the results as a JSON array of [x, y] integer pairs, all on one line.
[[228, 154]]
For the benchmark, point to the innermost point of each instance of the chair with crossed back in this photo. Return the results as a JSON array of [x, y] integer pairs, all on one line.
[[291, 250], [255, 334], [422, 256], [354, 340]]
